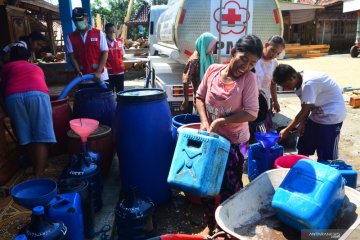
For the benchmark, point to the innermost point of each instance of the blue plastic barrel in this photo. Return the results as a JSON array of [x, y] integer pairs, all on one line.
[[144, 141], [95, 103], [181, 120]]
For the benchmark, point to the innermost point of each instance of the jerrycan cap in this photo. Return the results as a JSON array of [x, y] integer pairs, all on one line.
[[38, 210]]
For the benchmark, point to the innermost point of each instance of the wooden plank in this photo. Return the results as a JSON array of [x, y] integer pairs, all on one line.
[[311, 55], [306, 48], [292, 44]]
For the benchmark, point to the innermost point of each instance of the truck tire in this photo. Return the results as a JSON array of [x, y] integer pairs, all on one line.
[[354, 51]]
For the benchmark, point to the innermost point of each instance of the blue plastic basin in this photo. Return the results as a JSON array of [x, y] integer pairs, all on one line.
[[35, 192], [267, 140]]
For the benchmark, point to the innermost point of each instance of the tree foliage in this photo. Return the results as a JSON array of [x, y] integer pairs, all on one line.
[[117, 10], [158, 2]]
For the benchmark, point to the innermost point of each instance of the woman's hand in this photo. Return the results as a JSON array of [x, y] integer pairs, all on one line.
[[204, 126], [215, 124]]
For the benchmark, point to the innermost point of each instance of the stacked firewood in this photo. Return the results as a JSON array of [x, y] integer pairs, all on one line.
[[139, 43], [49, 57]]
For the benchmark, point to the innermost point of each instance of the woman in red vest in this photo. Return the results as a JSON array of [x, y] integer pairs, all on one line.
[[115, 64], [87, 48]]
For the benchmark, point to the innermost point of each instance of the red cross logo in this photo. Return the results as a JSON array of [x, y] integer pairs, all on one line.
[[231, 17], [233, 13]]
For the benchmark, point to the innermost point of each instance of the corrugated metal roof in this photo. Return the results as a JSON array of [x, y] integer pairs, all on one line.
[[286, 6]]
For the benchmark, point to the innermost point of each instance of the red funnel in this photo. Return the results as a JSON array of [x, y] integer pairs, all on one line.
[[84, 127]]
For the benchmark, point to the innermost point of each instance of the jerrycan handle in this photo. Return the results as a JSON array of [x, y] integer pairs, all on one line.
[[214, 135], [60, 202], [339, 164]]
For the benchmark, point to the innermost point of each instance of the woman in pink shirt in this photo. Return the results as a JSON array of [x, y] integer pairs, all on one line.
[[28, 105], [227, 99]]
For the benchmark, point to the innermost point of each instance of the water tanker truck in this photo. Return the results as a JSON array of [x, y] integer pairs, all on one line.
[[174, 28]]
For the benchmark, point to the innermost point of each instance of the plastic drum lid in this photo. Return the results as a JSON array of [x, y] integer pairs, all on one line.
[[99, 132], [141, 95]]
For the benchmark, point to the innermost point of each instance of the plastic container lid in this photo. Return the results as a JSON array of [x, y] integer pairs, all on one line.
[[39, 210], [141, 95]]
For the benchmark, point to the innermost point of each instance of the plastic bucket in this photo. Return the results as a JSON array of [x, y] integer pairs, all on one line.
[[95, 103], [181, 120], [288, 161], [61, 115], [144, 142]]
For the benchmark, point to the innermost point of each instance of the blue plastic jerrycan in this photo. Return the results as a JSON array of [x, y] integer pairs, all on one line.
[[199, 163], [261, 159], [310, 196], [67, 208], [346, 171]]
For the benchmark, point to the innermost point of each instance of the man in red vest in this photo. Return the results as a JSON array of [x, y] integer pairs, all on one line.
[[115, 63], [87, 48]]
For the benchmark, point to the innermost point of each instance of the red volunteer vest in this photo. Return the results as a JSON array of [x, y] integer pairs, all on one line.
[[88, 54], [115, 62]]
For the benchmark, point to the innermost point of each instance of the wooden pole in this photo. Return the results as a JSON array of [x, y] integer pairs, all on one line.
[[49, 23], [323, 33], [127, 18]]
